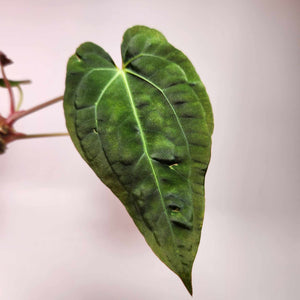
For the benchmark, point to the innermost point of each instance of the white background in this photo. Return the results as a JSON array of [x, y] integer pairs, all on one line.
[[64, 235]]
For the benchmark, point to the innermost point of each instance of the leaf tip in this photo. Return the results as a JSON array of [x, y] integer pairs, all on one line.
[[186, 277], [187, 281]]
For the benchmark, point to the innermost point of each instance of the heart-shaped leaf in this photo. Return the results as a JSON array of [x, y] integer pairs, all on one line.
[[145, 130]]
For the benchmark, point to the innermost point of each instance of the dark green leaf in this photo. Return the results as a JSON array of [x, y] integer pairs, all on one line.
[[146, 131]]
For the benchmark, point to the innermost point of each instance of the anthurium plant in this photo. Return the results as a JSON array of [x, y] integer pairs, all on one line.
[[145, 130]]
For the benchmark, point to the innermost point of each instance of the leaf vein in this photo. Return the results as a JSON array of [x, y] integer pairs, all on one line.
[[172, 107], [146, 152], [155, 56]]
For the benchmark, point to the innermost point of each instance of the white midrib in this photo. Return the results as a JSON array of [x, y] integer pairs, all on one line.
[[146, 150], [146, 153]]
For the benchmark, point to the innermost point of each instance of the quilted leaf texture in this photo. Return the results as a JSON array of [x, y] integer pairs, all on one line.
[[146, 131]]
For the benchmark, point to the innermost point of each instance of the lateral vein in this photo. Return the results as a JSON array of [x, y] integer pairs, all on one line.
[[146, 150], [171, 106]]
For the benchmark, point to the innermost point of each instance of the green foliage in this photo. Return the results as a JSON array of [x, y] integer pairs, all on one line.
[[145, 130], [13, 82]]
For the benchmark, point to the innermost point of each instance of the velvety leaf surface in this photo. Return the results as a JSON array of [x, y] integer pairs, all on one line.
[[145, 130]]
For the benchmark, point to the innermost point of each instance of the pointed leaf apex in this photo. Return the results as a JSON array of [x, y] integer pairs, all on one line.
[[187, 281]]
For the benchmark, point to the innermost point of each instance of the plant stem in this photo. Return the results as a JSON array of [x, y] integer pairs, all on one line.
[[20, 99], [11, 95], [30, 136], [18, 115]]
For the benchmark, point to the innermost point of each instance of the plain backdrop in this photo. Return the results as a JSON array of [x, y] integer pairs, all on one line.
[[65, 236]]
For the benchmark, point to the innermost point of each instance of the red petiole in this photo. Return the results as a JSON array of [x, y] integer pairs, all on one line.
[[7, 132]]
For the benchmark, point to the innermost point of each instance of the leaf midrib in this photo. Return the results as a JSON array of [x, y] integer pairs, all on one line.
[[122, 72], [145, 148]]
